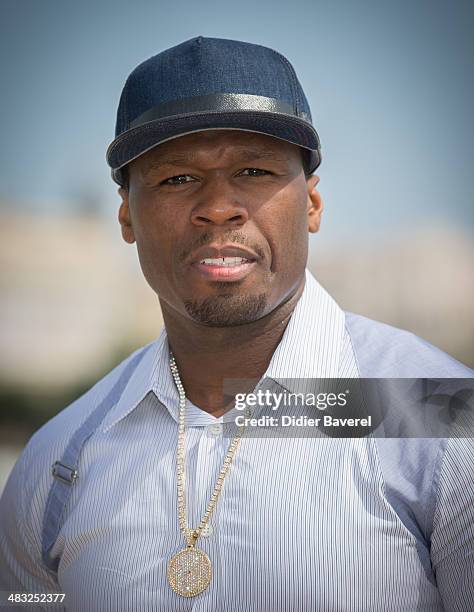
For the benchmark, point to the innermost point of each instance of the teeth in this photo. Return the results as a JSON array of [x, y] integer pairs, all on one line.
[[223, 261]]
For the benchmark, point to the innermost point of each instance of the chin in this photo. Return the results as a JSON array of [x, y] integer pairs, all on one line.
[[227, 310]]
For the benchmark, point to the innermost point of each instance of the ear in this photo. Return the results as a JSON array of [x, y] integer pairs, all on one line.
[[124, 217], [315, 204]]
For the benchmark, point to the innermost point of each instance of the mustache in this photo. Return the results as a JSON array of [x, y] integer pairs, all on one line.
[[233, 236]]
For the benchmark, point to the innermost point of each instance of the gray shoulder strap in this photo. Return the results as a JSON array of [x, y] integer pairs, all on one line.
[[65, 471]]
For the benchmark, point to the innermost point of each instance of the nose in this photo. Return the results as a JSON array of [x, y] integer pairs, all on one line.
[[218, 204]]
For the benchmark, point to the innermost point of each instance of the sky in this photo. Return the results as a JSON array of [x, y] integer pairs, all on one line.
[[390, 85]]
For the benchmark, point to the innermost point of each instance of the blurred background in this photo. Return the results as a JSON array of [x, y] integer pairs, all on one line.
[[391, 91]]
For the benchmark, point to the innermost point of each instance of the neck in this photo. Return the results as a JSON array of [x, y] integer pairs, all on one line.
[[207, 356]]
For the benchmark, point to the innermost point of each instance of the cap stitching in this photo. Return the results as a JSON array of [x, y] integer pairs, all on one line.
[[124, 103], [291, 74]]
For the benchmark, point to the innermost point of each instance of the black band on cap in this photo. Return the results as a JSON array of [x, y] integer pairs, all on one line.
[[215, 103]]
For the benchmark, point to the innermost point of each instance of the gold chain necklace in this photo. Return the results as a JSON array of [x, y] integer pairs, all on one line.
[[190, 570]]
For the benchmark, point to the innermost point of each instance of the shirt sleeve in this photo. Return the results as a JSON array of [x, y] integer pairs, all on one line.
[[452, 540], [21, 566]]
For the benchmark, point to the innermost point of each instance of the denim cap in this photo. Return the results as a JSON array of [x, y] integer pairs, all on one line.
[[211, 83]]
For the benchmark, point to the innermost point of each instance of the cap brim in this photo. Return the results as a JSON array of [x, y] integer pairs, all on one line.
[[138, 140]]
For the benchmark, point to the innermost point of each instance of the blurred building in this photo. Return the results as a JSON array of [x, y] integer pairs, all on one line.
[[72, 296], [421, 281]]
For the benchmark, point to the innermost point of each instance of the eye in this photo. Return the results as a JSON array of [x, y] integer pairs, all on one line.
[[180, 179], [254, 172]]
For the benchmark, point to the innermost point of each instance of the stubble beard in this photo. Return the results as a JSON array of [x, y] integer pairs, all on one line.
[[227, 310]]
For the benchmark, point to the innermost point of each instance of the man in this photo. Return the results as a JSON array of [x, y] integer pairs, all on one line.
[[149, 506]]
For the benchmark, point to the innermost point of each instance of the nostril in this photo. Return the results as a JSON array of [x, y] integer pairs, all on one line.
[[206, 214]]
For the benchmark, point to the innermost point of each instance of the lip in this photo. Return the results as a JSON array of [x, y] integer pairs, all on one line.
[[225, 250], [224, 273]]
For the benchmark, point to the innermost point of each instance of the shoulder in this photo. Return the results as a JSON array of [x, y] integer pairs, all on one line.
[[385, 351], [65, 423], [24, 498], [31, 475]]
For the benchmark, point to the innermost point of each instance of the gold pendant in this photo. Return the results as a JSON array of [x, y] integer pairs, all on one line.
[[189, 572]]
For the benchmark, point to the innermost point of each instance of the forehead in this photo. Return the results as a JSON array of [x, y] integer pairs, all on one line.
[[219, 144]]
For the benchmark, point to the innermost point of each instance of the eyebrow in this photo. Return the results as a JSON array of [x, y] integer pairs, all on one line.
[[183, 159]]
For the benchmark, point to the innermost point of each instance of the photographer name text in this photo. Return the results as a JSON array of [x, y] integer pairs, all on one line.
[[301, 421]]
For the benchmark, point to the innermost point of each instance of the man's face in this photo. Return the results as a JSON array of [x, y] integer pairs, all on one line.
[[221, 221]]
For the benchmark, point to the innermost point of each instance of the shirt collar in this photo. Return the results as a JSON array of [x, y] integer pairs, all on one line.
[[312, 343], [140, 383], [310, 348]]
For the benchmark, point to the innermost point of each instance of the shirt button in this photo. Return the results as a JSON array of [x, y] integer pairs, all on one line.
[[207, 531], [215, 429]]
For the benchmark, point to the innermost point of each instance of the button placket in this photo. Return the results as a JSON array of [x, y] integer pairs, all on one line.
[[210, 457]]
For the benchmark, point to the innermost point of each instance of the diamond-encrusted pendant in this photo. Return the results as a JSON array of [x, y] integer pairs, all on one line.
[[189, 572]]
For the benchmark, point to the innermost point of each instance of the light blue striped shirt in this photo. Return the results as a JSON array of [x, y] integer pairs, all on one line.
[[301, 523]]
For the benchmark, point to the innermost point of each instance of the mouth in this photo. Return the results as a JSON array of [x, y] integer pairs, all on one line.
[[224, 268], [224, 263]]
